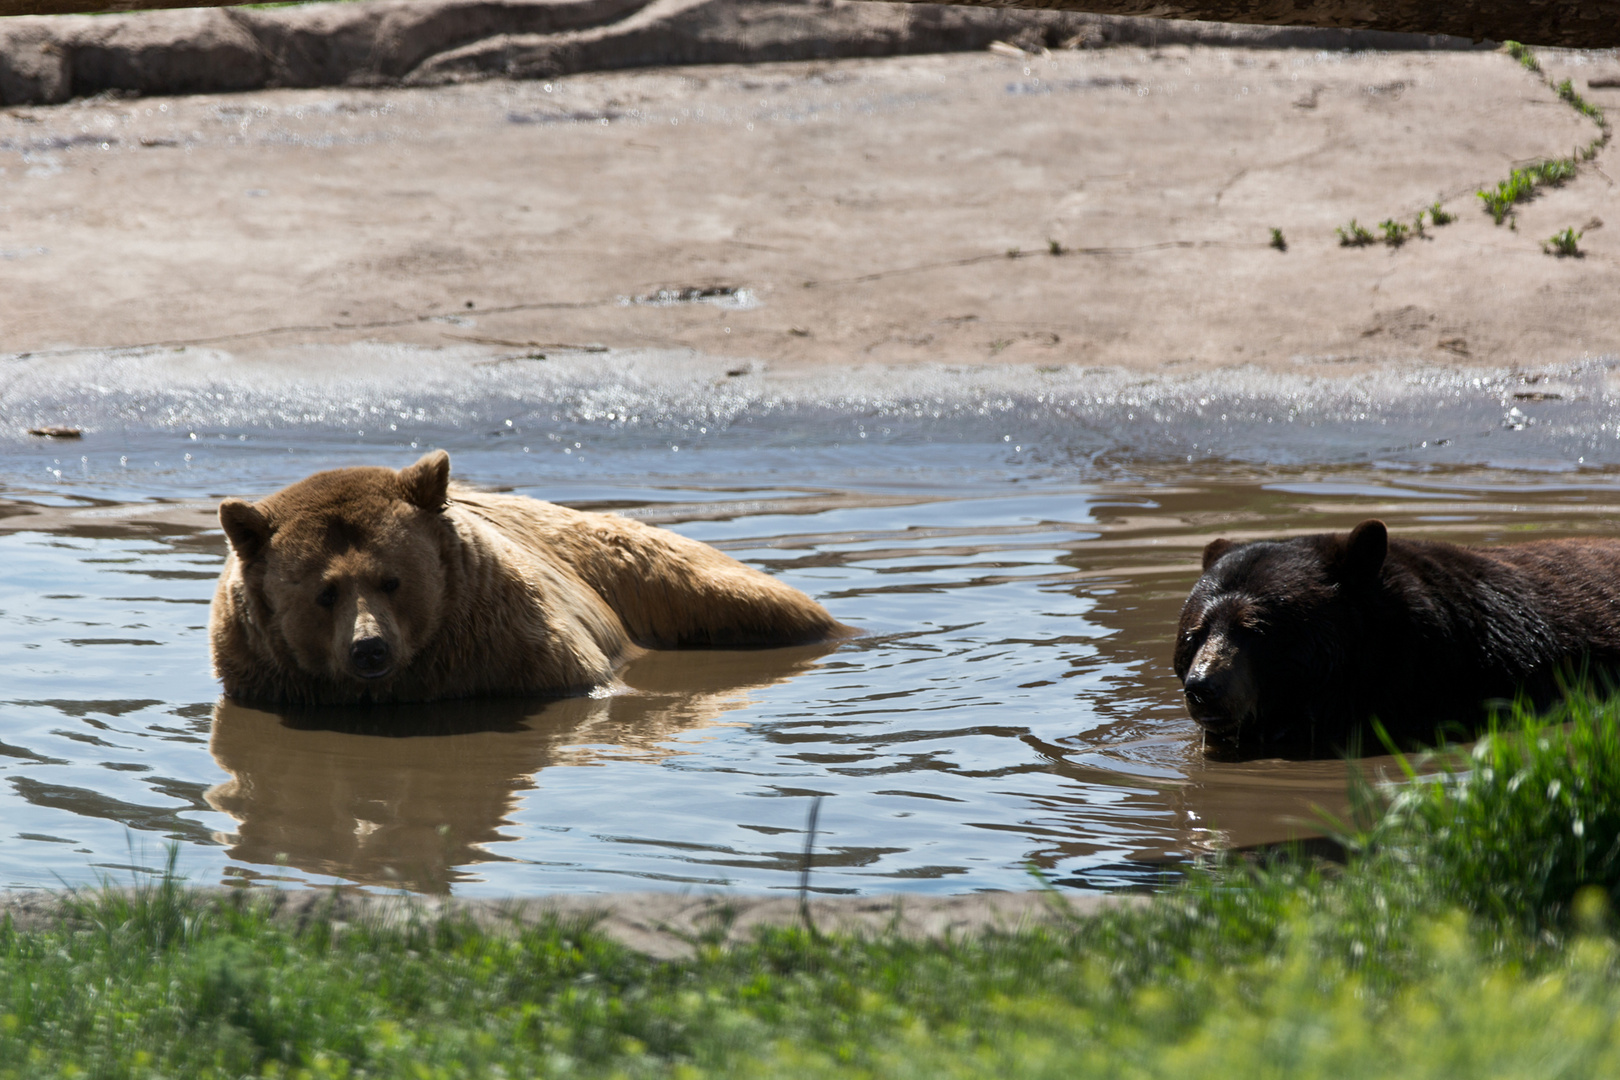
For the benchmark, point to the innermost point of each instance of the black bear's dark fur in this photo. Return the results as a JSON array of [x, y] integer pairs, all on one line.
[[1292, 645]]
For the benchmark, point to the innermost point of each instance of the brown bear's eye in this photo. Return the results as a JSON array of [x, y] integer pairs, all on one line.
[[327, 596], [390, 584]]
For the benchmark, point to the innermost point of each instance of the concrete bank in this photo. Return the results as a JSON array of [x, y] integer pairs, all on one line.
[[660, 924], [429, 42], [827, 213]]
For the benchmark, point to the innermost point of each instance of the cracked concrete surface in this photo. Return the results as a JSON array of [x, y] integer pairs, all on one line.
[[1091, 207]]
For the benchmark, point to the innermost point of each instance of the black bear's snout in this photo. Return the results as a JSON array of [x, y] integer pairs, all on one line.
[[1202, 693], [371, 657], [1208, 698], [1220, 689]]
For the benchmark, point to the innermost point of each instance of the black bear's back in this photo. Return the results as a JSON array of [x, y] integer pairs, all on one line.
[[1475, 624]]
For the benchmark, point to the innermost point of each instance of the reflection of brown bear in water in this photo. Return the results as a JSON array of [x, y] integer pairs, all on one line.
[[1300, 641], [370, 585], [409, 795]]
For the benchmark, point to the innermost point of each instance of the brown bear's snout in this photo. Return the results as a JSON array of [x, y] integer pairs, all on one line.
[[371, 657]]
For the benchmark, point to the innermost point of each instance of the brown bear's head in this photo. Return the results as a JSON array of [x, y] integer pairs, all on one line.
[[1267, 635], [344, 571]]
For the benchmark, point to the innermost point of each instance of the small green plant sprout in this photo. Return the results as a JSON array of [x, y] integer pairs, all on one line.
[[1278, 241], [1438, 215], [1567, 94], [1054, 247], [1563, 244], [1396, 233], [1523, 55], [1354, 235]]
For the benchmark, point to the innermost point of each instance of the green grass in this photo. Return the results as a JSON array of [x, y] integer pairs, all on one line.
[[1438, 215], [1469, 935], [1397, 233], [1522, 824], [1278, 241]]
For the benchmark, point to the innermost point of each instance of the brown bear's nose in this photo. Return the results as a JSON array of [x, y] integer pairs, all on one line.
[[370, 657]]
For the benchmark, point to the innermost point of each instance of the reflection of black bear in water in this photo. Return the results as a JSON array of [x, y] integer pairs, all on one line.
[[405, 795], [1292, 645]]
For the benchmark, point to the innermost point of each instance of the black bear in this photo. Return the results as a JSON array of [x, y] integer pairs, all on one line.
[[1293, 645]]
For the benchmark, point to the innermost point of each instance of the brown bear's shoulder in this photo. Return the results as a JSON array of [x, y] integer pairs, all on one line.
[[670, 591]]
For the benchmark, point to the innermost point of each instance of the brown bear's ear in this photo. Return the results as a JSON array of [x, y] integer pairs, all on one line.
[[246, 528], [1365, 551], [427, 483], [1215, 549]]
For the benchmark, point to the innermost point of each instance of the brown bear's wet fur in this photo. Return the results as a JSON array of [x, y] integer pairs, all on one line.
[[368, 584], [1297, 643]]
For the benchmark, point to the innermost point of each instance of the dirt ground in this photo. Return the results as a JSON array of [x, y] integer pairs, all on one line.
[[1106, 207]]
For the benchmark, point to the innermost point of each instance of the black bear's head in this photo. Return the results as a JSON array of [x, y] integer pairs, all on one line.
[[1269, 646]]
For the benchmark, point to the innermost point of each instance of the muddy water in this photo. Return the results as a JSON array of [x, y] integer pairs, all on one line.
[[1017, 569]]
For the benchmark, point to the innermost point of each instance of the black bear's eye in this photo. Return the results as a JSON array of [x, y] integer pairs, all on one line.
[[390, 584], [327, 596]]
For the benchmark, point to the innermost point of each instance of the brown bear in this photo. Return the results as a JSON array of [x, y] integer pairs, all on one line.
[[1294, 645], [370, 585]]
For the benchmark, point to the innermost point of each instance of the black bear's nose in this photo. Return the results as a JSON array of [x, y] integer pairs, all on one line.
[[1203, 692], [369, 656]]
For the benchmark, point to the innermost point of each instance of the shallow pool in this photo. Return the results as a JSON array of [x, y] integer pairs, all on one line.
[[1016, 566]]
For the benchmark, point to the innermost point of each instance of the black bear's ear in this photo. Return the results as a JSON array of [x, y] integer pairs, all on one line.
[[427, 483], [246, 528], [1215, 549], [1365, 551]]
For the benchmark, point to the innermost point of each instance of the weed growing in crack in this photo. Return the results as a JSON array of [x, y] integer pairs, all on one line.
[[1554, 171], [1500, 201], [1563, 244], [1523, 55], [1567, 94], [1278, 241], [1395, 232], [1354, 235], [1521, 185]]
